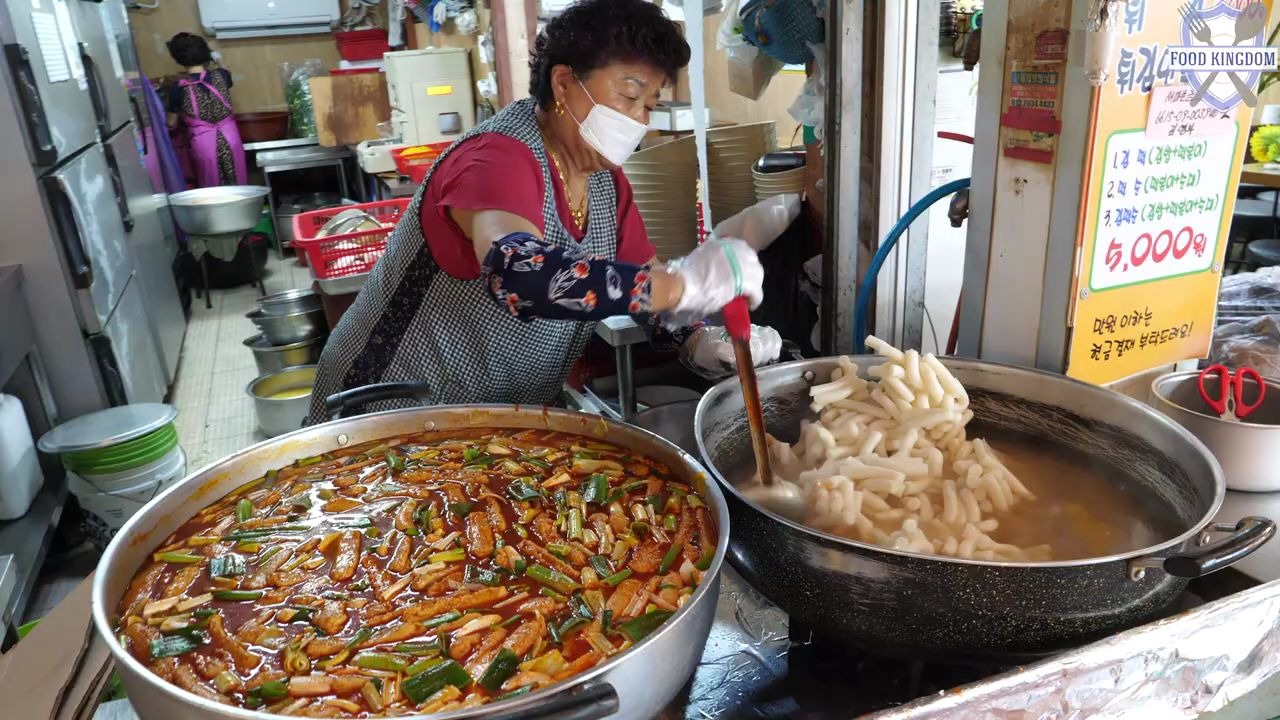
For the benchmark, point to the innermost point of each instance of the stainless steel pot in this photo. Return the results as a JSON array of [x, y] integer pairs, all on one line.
[[291, 328], [289, 302], [673, 422], [280, 415], [284, 223], [1249, 451], [634, 685], [900, 603], [273, 358], [217, 210], [349, 221]]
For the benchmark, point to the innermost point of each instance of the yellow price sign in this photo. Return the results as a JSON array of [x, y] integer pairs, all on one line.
[[1157, 210]]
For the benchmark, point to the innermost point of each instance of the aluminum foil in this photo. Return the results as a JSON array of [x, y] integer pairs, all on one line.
[[1191, 663], [746, 652], [1182, 666]]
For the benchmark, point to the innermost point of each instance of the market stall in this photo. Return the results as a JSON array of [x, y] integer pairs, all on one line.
[[899, 534]]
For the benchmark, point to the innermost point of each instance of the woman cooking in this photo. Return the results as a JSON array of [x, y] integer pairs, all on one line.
[[201, 100], [525, 232]]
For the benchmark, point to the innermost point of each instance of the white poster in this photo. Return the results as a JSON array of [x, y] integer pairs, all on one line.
[[1160, 207]]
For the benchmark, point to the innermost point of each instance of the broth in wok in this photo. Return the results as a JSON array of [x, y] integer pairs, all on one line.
[[1083, 507], [895, 461], [419, 574]]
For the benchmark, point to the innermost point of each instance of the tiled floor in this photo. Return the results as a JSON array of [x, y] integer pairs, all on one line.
[[215, 416]]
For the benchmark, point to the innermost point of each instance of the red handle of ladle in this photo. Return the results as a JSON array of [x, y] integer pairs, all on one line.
[[737, 319]]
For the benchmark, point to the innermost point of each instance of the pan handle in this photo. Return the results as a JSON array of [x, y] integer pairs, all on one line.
[[344, 404], [1246, 536], [592, 701]]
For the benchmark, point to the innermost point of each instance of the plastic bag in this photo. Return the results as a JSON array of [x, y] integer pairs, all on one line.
[[762, 223], [297, 95], [813, 270], [1257, 291], [1254, 343], [730, 33], [709, 353], [811, 107], [750, 71]]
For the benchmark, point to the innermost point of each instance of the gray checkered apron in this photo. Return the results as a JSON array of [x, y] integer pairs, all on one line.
[[415, 322]]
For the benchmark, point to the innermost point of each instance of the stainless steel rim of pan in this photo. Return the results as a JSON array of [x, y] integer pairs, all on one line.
[[205, 485]]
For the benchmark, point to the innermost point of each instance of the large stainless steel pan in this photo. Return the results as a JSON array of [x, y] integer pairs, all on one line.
[[218, 210], [902, 603], [634, 685]]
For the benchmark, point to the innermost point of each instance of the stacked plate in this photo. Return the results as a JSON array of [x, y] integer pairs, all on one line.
[[731, 153], [778, 183], [664, 179]]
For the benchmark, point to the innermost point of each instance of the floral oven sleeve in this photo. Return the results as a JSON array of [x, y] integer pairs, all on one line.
[[533, 279]]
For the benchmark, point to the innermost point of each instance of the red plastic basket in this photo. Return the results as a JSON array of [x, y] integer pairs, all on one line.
[[416, 168], [357, 45], [338, 256]]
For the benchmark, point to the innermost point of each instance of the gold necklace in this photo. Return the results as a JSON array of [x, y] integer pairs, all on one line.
[[578, 210]]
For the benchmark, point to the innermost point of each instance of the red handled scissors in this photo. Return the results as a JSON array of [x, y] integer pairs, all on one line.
[[1228, 400]]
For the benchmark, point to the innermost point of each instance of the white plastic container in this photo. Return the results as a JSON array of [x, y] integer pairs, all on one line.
[[110, 500], [117, 460], [20, 475]]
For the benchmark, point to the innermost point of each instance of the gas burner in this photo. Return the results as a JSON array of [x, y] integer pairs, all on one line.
[[761, 666], [841, 677]]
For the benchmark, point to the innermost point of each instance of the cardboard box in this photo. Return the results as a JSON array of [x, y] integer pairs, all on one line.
[[60, 670]]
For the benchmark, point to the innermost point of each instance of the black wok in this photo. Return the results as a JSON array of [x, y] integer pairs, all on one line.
[[906, 604]]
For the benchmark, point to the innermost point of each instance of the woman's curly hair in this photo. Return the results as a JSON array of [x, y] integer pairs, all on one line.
[[189, 50], [593, 33]]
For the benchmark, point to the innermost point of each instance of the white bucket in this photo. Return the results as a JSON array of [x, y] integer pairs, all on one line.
[[110, 500]]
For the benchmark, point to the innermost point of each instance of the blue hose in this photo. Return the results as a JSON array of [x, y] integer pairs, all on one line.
[[890, 242]]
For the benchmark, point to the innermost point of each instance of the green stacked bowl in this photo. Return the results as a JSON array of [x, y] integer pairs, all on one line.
[[126, 456]]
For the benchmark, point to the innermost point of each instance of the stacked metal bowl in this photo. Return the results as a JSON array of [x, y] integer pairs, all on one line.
[[292, 334]]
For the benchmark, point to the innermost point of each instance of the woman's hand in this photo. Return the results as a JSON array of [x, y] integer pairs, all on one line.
[[708, 279]]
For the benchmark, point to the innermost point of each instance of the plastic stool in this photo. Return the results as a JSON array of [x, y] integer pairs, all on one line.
[[1250, 190], [1254, 207], [1263, 253]]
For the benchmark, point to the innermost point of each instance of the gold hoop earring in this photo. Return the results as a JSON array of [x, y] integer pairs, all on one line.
[[559, 108]]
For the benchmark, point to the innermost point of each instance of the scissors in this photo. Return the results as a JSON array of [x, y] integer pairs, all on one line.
[[1228, 400]]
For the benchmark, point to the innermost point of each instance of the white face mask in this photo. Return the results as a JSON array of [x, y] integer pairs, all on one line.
[[612, 134]]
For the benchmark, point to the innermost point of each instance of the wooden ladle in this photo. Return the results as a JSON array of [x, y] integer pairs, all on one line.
[[737, 321]]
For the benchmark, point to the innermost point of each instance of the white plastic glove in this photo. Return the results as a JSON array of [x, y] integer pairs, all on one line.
[[715, 273], [762, 223]]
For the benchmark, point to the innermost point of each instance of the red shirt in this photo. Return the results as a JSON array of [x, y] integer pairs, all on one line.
[[496, 172]]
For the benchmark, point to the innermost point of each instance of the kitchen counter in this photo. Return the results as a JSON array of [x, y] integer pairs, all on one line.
[[281, 144], [298, 157], [25, 542]]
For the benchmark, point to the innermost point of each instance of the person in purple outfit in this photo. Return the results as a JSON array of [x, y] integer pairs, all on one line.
[[200, 100]]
